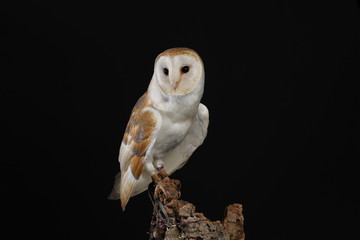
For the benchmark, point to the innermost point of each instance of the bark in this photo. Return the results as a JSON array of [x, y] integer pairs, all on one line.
[[174, 218]]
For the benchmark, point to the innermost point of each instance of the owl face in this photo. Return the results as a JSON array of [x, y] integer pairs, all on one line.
[[178, 71]]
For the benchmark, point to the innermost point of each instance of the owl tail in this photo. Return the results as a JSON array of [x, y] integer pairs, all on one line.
[[115, 193], [127, 184]]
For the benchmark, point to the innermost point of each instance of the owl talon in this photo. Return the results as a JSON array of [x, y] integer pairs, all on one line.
[[155, 178], [162, 173], [159, 176]]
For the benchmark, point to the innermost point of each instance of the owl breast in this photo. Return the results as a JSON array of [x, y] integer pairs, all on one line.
[[170, 135]]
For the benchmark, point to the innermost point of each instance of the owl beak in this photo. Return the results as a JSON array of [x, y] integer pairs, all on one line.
[[175, 80], [176, 84]]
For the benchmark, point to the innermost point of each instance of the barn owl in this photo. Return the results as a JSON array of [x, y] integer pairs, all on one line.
[[167, 124]]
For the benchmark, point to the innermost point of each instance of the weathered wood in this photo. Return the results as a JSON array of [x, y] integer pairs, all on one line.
[[174, 218]]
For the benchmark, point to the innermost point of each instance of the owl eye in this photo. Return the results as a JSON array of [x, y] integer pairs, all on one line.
[[166, 71], [185, 69]]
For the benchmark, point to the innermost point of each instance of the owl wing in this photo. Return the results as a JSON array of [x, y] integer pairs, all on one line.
[[139, 137], [177, 158], [138, 140]]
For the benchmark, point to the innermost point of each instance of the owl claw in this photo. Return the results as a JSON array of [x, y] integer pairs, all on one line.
[[162, 173], [159, 176], [155, 178]]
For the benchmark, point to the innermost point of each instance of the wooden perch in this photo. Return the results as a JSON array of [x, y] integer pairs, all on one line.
[[177, 219]]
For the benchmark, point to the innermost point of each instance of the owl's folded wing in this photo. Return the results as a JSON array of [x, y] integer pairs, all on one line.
[[139, 138]]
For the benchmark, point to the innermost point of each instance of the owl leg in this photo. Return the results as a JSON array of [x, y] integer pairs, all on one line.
[[159, 164], [150, 168]]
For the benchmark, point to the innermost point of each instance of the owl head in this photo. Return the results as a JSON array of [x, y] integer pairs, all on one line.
[[179, 71]]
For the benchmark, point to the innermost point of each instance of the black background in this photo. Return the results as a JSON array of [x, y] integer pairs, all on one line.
[[283, 137]]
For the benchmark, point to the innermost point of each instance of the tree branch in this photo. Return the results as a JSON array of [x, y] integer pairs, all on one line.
[[177, 219]]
